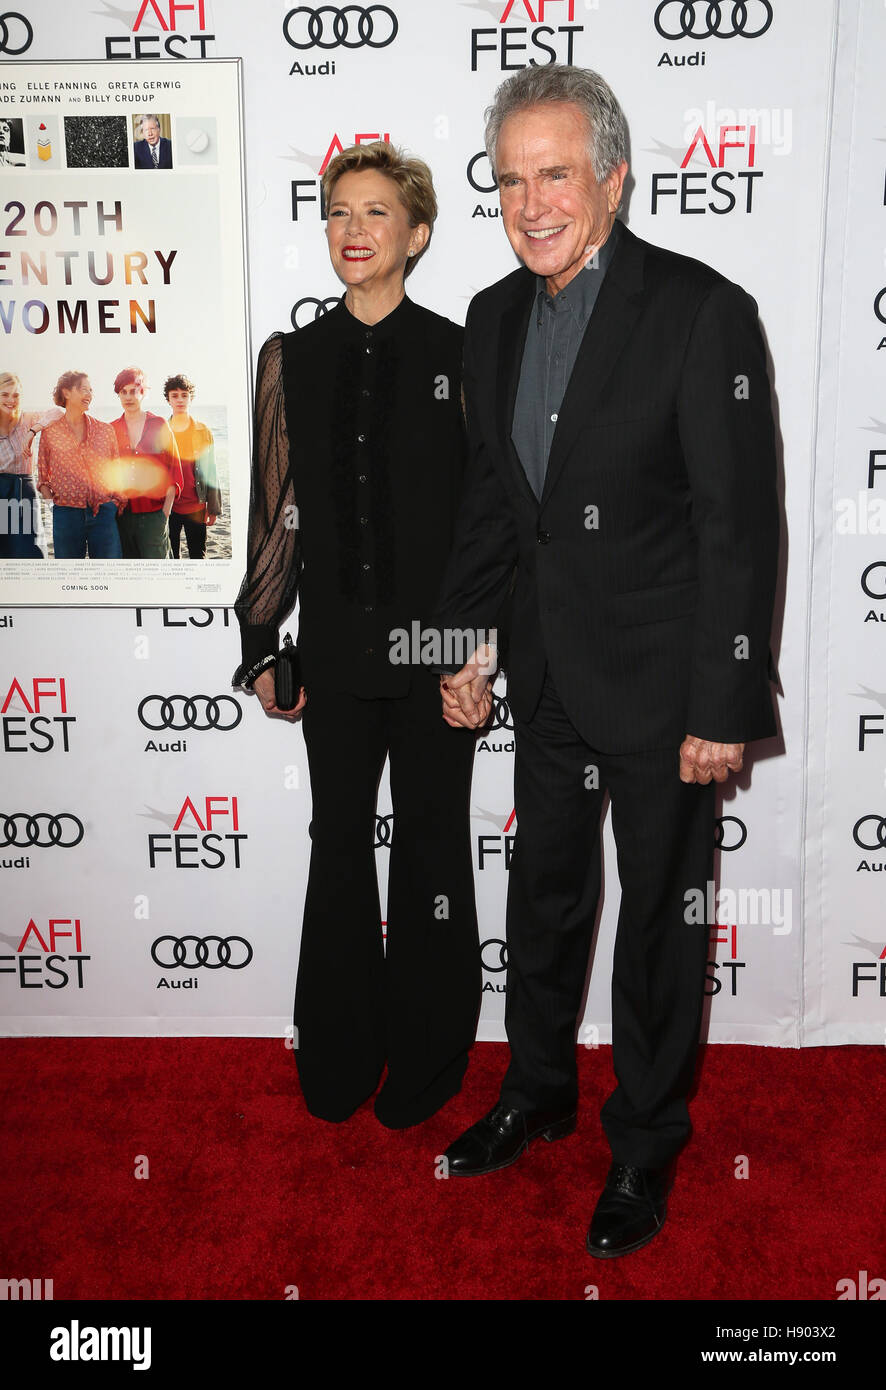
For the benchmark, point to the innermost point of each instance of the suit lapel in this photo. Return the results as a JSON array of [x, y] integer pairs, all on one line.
[[513, 328], [617, 309]]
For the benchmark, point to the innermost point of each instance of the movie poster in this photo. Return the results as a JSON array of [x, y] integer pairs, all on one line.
[[125, 369]]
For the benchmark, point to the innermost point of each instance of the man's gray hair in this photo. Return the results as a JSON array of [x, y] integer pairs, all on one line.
[[538, 86]]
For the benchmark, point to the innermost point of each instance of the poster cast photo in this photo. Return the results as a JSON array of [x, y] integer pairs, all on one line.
[[128, 488]]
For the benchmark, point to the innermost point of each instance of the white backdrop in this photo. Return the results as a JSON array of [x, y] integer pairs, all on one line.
[[762, 152]]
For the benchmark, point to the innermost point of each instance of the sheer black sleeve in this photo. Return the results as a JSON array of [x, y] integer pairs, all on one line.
[[269, 590]]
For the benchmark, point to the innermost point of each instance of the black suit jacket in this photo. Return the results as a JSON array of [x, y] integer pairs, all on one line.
[[644, 577], [145, 160]]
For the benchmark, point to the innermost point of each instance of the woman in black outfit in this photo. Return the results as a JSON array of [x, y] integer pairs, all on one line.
[[359, 426]]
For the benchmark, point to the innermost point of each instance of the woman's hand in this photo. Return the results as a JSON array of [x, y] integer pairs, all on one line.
[[46, 492], [263, 685]]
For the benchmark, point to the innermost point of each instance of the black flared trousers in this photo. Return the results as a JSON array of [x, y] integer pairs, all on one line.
[[413, 1004]]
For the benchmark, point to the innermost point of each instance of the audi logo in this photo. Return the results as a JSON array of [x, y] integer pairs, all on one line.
[[5, 45], [22, 830], [321, 307], [201, 955], [720, 833], [866, 574], [878, 834], [350, 27], [384, 832], [701, 20], [501, 715], [495, 959], [189, 712]]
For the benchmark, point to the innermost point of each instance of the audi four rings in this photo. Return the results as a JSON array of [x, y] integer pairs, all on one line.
[[878, 835], [192, 960], [348, 27], [321, 307], [181, 712], [498, 956], [7, 32], [40, 829], [384, 829], [501, 714], [720, 833], [746, 19]]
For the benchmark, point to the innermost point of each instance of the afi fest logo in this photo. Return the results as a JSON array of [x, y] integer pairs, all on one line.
[[527, 33], [49, 956], [35, 715], [204, 846], [498, 848], [724, 934], [726, 181], [318, 164], [868, 972], [871, 726], [181, 618], [865, 514], [160, 29]]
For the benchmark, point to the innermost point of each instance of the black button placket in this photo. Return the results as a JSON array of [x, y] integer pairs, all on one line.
[[362, 493]]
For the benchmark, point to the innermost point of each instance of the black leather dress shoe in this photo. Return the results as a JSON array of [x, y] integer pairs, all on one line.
[[502, 1136], [631, 1210]]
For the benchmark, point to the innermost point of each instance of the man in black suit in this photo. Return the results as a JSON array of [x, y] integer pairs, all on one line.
[[622, 485], [153, 150]]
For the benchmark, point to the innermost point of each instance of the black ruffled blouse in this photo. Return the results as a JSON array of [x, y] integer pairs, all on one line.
[[358, 458]]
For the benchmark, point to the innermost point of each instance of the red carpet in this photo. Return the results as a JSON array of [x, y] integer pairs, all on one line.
[[248, 1195]]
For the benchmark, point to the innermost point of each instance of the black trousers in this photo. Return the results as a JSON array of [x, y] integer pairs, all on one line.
[[664, 834], [413, 1006], [194, 527]]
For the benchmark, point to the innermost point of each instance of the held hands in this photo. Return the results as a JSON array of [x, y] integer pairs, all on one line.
[[263, 685], [467, 696], [701, 760]]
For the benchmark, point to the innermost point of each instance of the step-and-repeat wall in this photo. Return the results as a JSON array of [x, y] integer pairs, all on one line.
[[155, 827]]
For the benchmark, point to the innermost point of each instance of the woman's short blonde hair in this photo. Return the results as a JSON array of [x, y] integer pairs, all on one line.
[[412, 177]]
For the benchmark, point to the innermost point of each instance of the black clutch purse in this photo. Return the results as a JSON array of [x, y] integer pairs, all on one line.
[[287, 676]]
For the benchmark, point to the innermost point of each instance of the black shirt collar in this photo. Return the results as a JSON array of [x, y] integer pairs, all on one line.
[[387, 327]]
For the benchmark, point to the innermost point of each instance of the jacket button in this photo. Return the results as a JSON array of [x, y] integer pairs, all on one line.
[[543, 537]]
